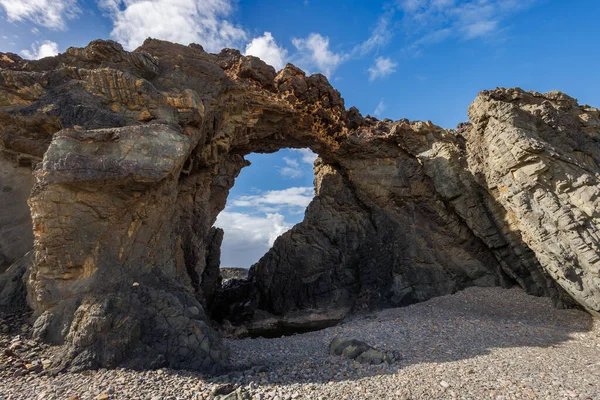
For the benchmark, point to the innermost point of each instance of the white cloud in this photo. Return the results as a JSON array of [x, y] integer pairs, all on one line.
[[308, 156], [291, 162], [250, 234], [39, 50], [436, 20], [248, 237], [479, 28], [292, 168], [433, 37], [293, 198], [181, 21], [381, 107], [380, 36], [265, 229], [410, 6], [265, 48], [51, 14], [314, 51], [291, 172], [382, 68], [296, 168]]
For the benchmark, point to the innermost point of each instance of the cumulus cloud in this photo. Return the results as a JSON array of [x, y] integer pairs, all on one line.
[[248, 237], [381, 107], [182, 21], [314, 53], [265, 48], [51, 14], [382, 68], [39, 50], [252, 223]]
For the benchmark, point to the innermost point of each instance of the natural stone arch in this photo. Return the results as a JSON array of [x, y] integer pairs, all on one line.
[[140, 150], [135, 204]]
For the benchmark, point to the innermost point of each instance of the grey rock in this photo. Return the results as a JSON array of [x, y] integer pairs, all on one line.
[[13, 291], [16, 233], [358, 350]]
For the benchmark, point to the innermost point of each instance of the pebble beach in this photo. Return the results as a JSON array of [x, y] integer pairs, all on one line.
[[481, 343]]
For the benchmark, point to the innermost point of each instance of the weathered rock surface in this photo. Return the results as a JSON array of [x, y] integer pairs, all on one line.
[[228, 273], [135, 154], [358, 350], [16, 235], [538, 156], [13, 290]]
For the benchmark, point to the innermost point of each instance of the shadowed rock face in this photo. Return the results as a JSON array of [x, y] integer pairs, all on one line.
[[135, 154]]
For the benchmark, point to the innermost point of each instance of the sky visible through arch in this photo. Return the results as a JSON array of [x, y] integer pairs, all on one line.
[[267, 199], [415, 59]]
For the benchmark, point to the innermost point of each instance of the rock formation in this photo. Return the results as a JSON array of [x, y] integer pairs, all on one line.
[[360, 351], [134, 153]]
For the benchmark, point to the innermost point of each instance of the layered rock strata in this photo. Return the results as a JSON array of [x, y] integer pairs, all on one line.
[[134, 156]]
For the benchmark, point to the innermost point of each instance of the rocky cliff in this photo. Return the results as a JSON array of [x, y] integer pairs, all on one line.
[[126, 158]]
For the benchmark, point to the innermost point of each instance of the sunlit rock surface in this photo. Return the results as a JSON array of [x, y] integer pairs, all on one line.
[[134, 156]]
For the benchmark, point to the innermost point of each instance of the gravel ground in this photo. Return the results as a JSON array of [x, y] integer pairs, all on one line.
[[479, 343]]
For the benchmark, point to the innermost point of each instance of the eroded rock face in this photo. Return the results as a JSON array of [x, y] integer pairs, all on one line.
[[135, 154], [139, 153], [538, 156], [16, 236]]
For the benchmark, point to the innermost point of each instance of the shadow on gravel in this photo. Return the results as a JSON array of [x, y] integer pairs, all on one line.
[[462, 326]]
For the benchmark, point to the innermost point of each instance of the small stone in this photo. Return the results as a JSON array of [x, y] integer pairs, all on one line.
[[15, 345], [34, 367], [103, 396], [9, 353], [19, 372], [144, 116], [444, 384]]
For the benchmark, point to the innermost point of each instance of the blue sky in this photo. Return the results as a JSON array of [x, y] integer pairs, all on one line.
[[415, 59]]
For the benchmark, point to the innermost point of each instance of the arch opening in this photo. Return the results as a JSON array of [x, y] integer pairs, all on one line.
[[268, 198]]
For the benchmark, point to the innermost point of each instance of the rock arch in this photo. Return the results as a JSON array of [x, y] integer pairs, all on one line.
[[140, 150]]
